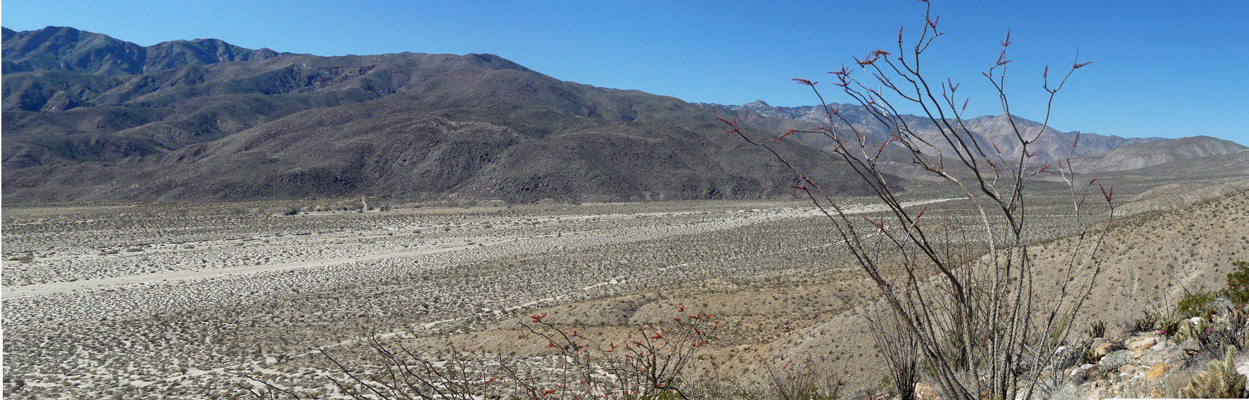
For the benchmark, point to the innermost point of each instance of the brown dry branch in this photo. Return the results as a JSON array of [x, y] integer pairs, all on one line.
[[648, 364], [404, 374], [966, 294], [898, 348], [794, 381]]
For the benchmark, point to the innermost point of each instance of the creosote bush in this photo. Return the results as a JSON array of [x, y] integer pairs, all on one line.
[[1238, 284], [1197, 304]]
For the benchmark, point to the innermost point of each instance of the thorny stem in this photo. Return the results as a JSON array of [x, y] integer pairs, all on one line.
[[984, 304]]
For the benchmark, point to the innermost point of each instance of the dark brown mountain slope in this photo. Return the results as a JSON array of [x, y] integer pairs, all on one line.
[[398, 124]]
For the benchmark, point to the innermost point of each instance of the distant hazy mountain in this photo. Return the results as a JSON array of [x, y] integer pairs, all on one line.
[[1143, 155], [1233, 167], [90, 118], [989, 130]]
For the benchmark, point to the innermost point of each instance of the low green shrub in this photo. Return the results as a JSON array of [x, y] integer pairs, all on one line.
[[1238, 284], [1199, 304]]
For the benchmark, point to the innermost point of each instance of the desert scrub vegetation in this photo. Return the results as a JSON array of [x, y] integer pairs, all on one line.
[[1219, 380], [728, 251], [976, 326], [960, 303], [542, 254], [647, 364], [1204, 323], [1237, 290]]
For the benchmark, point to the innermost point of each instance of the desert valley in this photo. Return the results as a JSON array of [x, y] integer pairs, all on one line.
[[199, 220]]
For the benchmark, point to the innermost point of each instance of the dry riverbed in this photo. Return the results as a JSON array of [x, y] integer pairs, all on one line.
[[156, 301], [166, 302]]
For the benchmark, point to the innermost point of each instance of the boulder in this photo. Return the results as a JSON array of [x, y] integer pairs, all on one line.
[[925, 391], [1102, 349], [1142, 343], [1156, 372]]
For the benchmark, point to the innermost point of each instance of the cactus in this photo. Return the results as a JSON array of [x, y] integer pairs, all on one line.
[[1188, 329], [1237, 316], [1146, 322], [1168, 325], [1219, 380]]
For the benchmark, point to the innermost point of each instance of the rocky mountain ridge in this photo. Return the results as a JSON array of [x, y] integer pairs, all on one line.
[[92, 118], [84, 122], [993, 130], [69, 49], [1142, 155]]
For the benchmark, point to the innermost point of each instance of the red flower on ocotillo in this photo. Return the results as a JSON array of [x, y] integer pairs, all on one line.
[[787, 133]]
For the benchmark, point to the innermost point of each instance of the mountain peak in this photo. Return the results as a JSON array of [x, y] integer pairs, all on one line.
[[756, 105]]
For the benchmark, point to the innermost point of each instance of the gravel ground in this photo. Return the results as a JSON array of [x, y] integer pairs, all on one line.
[[171, 301], [145, 301]]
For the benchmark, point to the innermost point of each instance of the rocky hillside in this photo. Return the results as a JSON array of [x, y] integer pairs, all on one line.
[[91, 118], [1141, 155], [992, 130]]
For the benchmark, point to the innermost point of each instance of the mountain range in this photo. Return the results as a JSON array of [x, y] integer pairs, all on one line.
[[208, 121], [1142, 155], [90, 118], [993, 130]]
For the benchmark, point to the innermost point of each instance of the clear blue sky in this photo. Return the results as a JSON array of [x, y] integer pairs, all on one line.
[[1165, 69]]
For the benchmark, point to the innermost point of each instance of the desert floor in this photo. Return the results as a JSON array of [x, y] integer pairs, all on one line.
[[178, 301]]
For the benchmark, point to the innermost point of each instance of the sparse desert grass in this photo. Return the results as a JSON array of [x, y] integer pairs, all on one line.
[[525, 259], [601, 268]]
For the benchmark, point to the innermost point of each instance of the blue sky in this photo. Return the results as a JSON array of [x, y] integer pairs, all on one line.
[[1159, 68]]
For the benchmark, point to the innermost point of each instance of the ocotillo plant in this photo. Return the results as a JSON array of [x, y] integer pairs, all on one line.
[[969, 305]]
